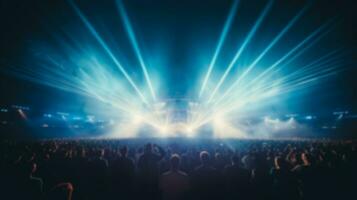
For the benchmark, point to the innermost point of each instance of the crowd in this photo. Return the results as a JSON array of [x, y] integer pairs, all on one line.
[[178, 169]]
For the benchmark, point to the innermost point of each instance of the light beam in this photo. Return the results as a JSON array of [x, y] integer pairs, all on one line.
[[242, 47], [129, 30], [107, 49], [222, 38], [252, 65]]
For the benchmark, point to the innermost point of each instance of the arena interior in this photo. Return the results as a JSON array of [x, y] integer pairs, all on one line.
[[169, 100]]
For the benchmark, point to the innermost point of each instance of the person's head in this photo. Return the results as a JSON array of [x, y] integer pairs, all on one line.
[[280, 163], [305, 157], [204, 157], [235, 160], [100, 152], [148, 148], [124, 151], [83, 153], [218, 157], [175, 162]]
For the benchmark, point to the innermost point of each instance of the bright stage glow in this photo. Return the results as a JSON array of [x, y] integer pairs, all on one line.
[[98, 72], [189, 130], [164, 131], [137, 119]]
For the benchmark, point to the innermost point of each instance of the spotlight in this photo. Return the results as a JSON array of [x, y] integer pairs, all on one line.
[[163, 130], [218, 120], [137, 119], [190, 131]]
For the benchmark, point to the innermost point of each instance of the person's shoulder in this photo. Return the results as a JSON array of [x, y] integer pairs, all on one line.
[[198, 168], [142, 156], [156, 156], [176, 175], [182, 173], [166, 174], [36, 181], [297, 168], [243, 170], [212, 169], [228, 167], [127, 160], [205, 169]]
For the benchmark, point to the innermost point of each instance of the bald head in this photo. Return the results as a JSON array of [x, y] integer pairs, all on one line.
[[204, 157], [175, 162]]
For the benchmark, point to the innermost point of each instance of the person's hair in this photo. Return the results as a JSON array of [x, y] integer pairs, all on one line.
[[175, 161], [148, 148], [306, 158], [124, 151], [217, 156], [235, 160], [205, 157], [101, 152]]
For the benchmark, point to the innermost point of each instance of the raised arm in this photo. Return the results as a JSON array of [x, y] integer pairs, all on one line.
[[162, 152]]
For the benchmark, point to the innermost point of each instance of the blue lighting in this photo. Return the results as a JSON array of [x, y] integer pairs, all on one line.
[[309, 117], [119, 66], [47, 115]]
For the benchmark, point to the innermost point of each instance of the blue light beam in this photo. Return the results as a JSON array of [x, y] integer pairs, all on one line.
[[242, 47], [130, 31], [107, 49], [276, 39], [221, 40], [277, 63]]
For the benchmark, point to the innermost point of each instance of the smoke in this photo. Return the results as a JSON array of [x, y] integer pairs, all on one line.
[[275, 127]]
